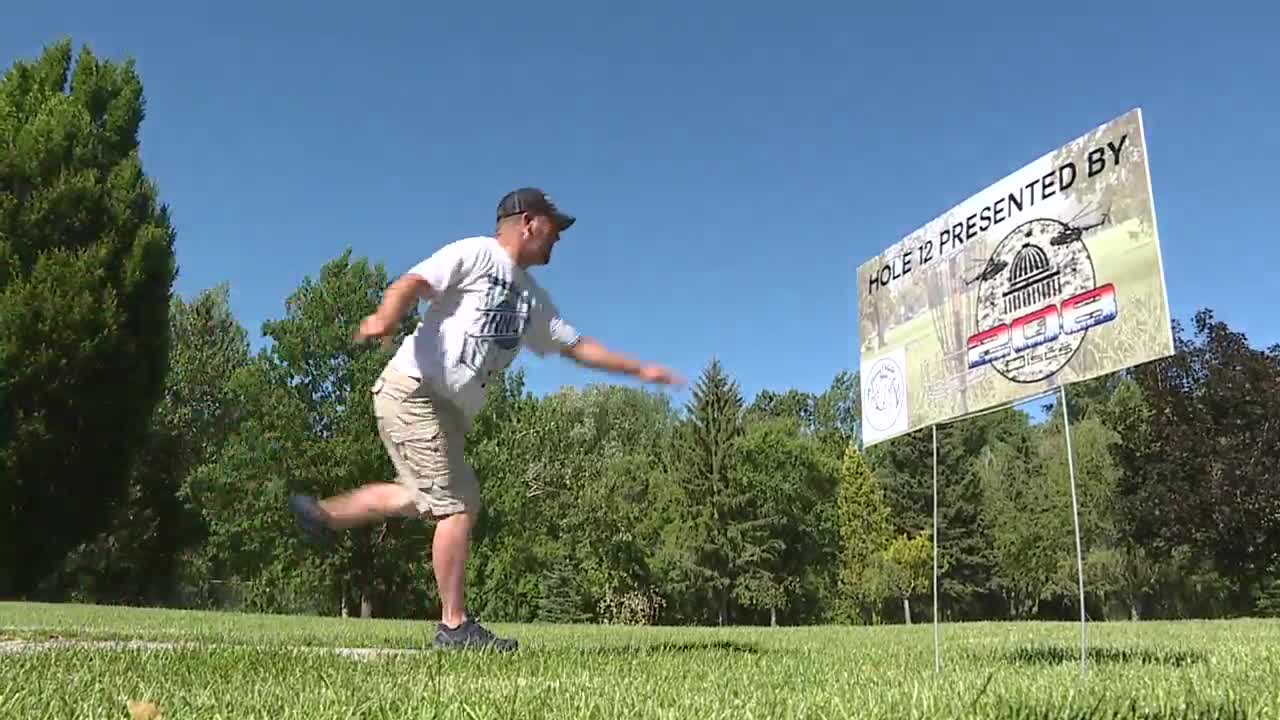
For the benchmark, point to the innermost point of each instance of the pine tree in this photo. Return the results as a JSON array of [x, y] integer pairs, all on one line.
[[562, 598], [731, 539]]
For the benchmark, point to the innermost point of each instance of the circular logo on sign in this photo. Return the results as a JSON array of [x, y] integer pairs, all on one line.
[[885, 394], [1033, 269]]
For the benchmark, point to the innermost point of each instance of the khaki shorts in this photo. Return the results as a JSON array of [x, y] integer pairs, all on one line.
[[425, 436]]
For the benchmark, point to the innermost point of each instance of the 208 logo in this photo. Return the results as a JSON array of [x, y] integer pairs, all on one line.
[[1036, 301], [1075, 315]]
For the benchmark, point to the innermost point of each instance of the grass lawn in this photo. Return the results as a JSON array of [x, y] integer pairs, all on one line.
[[281, 668]]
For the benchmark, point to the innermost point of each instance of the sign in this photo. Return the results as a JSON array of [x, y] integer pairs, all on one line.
[[1051, 276]]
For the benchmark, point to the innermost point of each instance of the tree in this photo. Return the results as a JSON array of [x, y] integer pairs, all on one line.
[[730, 532], [1198, 468], [866, 529], [333, 377], [157, 534], [513, 536], [86, 268], [1267, 603], [1085, 398], [310, 420], [253, 552], [1026, 514], [838, 412], [569, 481], [904, 466], [793, 405], [623, 435], [904, 567], [562, 599], [784, 469]]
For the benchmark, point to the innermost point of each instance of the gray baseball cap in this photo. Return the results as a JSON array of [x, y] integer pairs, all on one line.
[[535, 201]]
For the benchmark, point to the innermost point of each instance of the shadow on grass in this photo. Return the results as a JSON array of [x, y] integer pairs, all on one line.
[[1061, 655], [664, 648]]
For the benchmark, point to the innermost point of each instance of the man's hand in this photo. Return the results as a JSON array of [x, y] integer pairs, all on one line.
[[659, 375], [403, 293], [375, 327], [592, 354]]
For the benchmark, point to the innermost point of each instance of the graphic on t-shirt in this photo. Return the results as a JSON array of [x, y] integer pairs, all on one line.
[[503, 316]]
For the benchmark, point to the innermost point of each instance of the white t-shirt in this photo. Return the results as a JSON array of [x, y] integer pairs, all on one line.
[[484, 308]]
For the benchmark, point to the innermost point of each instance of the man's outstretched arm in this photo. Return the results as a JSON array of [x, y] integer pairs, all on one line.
[[590, 353]]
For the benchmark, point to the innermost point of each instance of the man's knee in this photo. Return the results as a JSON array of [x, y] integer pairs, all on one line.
[[400, 499]]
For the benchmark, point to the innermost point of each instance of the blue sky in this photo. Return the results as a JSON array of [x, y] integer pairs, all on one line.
[[731, 164]]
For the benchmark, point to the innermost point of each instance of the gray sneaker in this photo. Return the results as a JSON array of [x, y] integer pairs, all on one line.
[[313, 520], [471, 635]]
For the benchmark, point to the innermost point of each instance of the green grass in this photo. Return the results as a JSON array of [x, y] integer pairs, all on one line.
[[242, 667]]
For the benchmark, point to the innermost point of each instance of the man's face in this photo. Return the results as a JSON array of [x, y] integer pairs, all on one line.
[[542, 236]]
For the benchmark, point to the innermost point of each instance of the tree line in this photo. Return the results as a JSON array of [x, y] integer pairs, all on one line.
[[146, 451]]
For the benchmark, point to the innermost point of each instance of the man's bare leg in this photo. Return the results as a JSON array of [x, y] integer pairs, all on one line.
[[368, 504], [365, 505], [449, 549]]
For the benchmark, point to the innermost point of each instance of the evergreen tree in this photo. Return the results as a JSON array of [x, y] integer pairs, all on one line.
[[731, 539], [86, 267], [865, 530], [562, 599]]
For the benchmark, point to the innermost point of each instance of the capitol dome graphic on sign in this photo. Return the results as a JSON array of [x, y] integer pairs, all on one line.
[[1032, 280], [1035, 272]]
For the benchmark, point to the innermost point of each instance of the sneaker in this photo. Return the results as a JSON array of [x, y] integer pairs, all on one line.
[[471, 635], [311, 517]]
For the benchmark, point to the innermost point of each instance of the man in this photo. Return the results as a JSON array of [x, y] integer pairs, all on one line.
[[483, 306]]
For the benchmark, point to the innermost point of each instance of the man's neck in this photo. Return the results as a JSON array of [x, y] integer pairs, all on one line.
[[511, 246]]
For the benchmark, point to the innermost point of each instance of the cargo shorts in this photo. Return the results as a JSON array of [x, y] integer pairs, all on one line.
[[425, 435]]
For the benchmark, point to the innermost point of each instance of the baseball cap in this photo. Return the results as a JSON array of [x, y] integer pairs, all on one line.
[[533, 200]]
